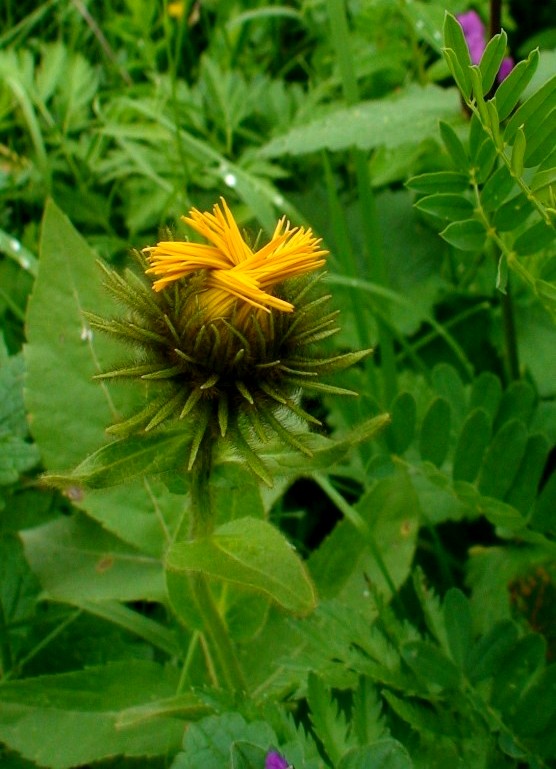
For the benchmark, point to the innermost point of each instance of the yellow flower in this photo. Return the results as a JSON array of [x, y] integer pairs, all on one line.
[[233, 270]]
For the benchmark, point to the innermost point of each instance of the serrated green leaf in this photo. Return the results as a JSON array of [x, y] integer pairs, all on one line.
[[471, 445], [502, 459], [384, 754], [253, 554], [328, 720], [409, 118], [434, 438], [402, 429], [497, 188], [513, 213], [70, 719], [469, 235], [511, 88], [492, 59], [439, 181], [446, 206], [455, 148]]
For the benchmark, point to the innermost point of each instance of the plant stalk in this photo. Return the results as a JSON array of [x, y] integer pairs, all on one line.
[[202, 525]]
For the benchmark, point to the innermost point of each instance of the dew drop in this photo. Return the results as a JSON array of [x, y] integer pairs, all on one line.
[[15, 245], [230, 180], [86, 334]]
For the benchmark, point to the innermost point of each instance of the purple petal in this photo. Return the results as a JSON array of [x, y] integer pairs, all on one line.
[[505, 68], [474, 33], [275, 761]]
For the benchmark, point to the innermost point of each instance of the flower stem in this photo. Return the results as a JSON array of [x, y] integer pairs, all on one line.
[[202, 525]]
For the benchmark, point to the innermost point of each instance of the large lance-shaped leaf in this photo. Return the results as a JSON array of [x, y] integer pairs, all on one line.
[[408, 119], [68, 410], [76, 561], [71, 719], [133, 457], [253, 554]]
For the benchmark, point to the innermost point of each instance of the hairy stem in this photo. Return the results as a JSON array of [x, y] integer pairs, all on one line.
[[202, 525]]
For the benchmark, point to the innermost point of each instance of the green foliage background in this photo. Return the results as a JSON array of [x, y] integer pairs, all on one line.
[[412, 623]]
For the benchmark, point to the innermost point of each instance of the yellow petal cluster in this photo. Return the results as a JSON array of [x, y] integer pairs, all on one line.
[[233, 270]]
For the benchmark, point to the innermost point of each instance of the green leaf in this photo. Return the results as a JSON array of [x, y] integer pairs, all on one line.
[[209, 744], [517, 402], [524, 488], [67, 720], [502, 459], [496, 189], [439, 181], [409, 118], [513, 213], [469, 235], [517, 670], [69, 411], [455, 148], [76, 560], [460, 61], [540, 141], [486, 393], [518, 152], [533, 112], [253, 554], [471, 445], [457, 621], [434, 439], [431, 665], [447, 206], [122, 461], [492, 59], [537, 707], [511, 88], [384, 754], [484, 160], [329, 722], [402, 429], [344, 563], [535, 238], [487, 656]]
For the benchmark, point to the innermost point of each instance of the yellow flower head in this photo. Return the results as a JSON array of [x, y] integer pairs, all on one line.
[[233, 270]]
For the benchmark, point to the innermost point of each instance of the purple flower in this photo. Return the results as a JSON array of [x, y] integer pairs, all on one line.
[[474, 33], [275, 761], [505, 68]]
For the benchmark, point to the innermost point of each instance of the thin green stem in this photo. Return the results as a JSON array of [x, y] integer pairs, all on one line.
[[202, 525], [351, 514]]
